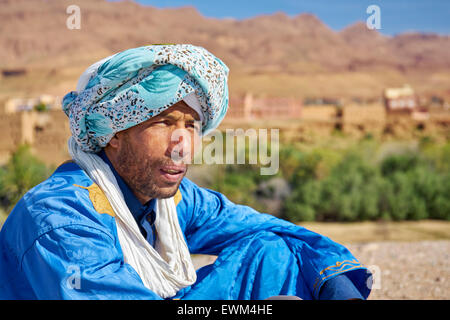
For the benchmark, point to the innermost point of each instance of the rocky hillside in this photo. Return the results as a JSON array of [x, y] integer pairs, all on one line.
[[33, 35]]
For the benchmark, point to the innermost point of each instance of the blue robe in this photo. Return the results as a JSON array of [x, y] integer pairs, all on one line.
[[60, 242]]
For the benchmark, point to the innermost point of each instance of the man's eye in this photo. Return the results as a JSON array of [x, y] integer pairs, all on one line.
[[163, 122], [193, 126]]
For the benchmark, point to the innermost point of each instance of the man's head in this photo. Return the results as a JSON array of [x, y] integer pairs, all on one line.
[[139, 105], [151, 157]]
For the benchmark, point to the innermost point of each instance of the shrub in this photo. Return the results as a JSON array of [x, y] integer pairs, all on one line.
[[400, 162], [353, 184], [41, 107], [237, 184], [22, 172]]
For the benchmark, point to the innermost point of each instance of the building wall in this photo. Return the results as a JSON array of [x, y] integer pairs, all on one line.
[[47, 134], [251, 108], [319, 113], [363, 119], [11, 134], [51, 137]]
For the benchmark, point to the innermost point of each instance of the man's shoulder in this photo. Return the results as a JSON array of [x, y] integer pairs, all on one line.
[[188, 186], [188, 192], [193, 197], [64, 188], [191, 191], [66, 198]]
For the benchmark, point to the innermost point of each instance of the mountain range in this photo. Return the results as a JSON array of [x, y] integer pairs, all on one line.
[[276, 55]]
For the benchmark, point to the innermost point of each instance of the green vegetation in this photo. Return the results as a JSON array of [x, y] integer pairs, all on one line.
[[22, 172], [361, 182], [239, 183], [41, 107], [367, 181]]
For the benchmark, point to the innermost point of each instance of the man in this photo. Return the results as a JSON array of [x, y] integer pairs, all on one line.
[[120, 221]]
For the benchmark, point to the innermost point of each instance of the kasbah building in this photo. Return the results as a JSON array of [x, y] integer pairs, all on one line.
[[398, 113]]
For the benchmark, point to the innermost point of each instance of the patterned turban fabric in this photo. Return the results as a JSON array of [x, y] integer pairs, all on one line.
[[135, 85]]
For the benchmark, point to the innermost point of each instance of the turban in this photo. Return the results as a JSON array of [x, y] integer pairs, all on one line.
[[135, 85]]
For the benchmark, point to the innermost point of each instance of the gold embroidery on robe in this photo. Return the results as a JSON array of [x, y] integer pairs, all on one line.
[[101, 203], [98, 199], [339, 267], [177, 197]]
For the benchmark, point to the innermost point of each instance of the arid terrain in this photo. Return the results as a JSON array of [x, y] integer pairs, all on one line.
[[274, 55], [407, 270]]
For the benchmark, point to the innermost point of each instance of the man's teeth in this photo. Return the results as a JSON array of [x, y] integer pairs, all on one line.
[[172, 171]]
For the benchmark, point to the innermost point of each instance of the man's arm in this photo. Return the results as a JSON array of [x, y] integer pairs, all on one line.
[[80, 262], [212, 223]]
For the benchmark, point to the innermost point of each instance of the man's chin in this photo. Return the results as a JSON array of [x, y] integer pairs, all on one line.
[[167, 191], [165, 194]]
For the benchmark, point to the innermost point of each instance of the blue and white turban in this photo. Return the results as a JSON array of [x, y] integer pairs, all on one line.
[[135, 85]]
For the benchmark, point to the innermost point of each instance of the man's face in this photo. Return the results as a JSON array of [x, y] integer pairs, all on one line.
[[144, 154]]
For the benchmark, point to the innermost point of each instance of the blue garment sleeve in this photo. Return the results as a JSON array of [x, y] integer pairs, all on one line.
[[81, 262], [213, 223]]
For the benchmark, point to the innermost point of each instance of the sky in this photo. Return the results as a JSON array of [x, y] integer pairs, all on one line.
[[396, 16]]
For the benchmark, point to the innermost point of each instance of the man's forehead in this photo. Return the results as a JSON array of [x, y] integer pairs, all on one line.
[[179, 110]]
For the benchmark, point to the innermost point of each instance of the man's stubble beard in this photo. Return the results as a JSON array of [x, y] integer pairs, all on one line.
[[139, 173]]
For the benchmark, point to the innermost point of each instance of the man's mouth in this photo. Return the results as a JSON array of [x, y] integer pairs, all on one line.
[[173, 173]]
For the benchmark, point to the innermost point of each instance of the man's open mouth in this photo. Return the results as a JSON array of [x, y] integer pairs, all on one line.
[[172, 173]]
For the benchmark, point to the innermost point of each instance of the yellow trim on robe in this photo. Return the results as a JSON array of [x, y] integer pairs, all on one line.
[[177, 197], [339, 267], [101, 203], [98, 199]]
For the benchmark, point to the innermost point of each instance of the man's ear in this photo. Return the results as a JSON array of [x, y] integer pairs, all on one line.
[[114, 143], [113, 147]]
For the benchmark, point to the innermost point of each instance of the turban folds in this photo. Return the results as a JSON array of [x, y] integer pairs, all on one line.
[[135, 85]]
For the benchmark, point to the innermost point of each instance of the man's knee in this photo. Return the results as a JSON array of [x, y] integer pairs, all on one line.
[[267, 244]]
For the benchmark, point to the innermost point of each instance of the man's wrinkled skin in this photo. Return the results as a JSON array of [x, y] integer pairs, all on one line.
[[143, 154]]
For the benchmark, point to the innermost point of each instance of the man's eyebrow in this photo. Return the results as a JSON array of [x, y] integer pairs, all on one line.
[[172, 117], [165, 116]]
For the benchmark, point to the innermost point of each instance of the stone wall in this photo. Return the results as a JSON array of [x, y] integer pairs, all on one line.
[[255, 108], [46, 132]]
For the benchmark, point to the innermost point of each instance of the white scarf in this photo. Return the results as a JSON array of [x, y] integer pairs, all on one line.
[[164, 270]]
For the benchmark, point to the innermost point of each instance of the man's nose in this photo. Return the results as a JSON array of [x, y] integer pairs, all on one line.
[[180, 145]]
